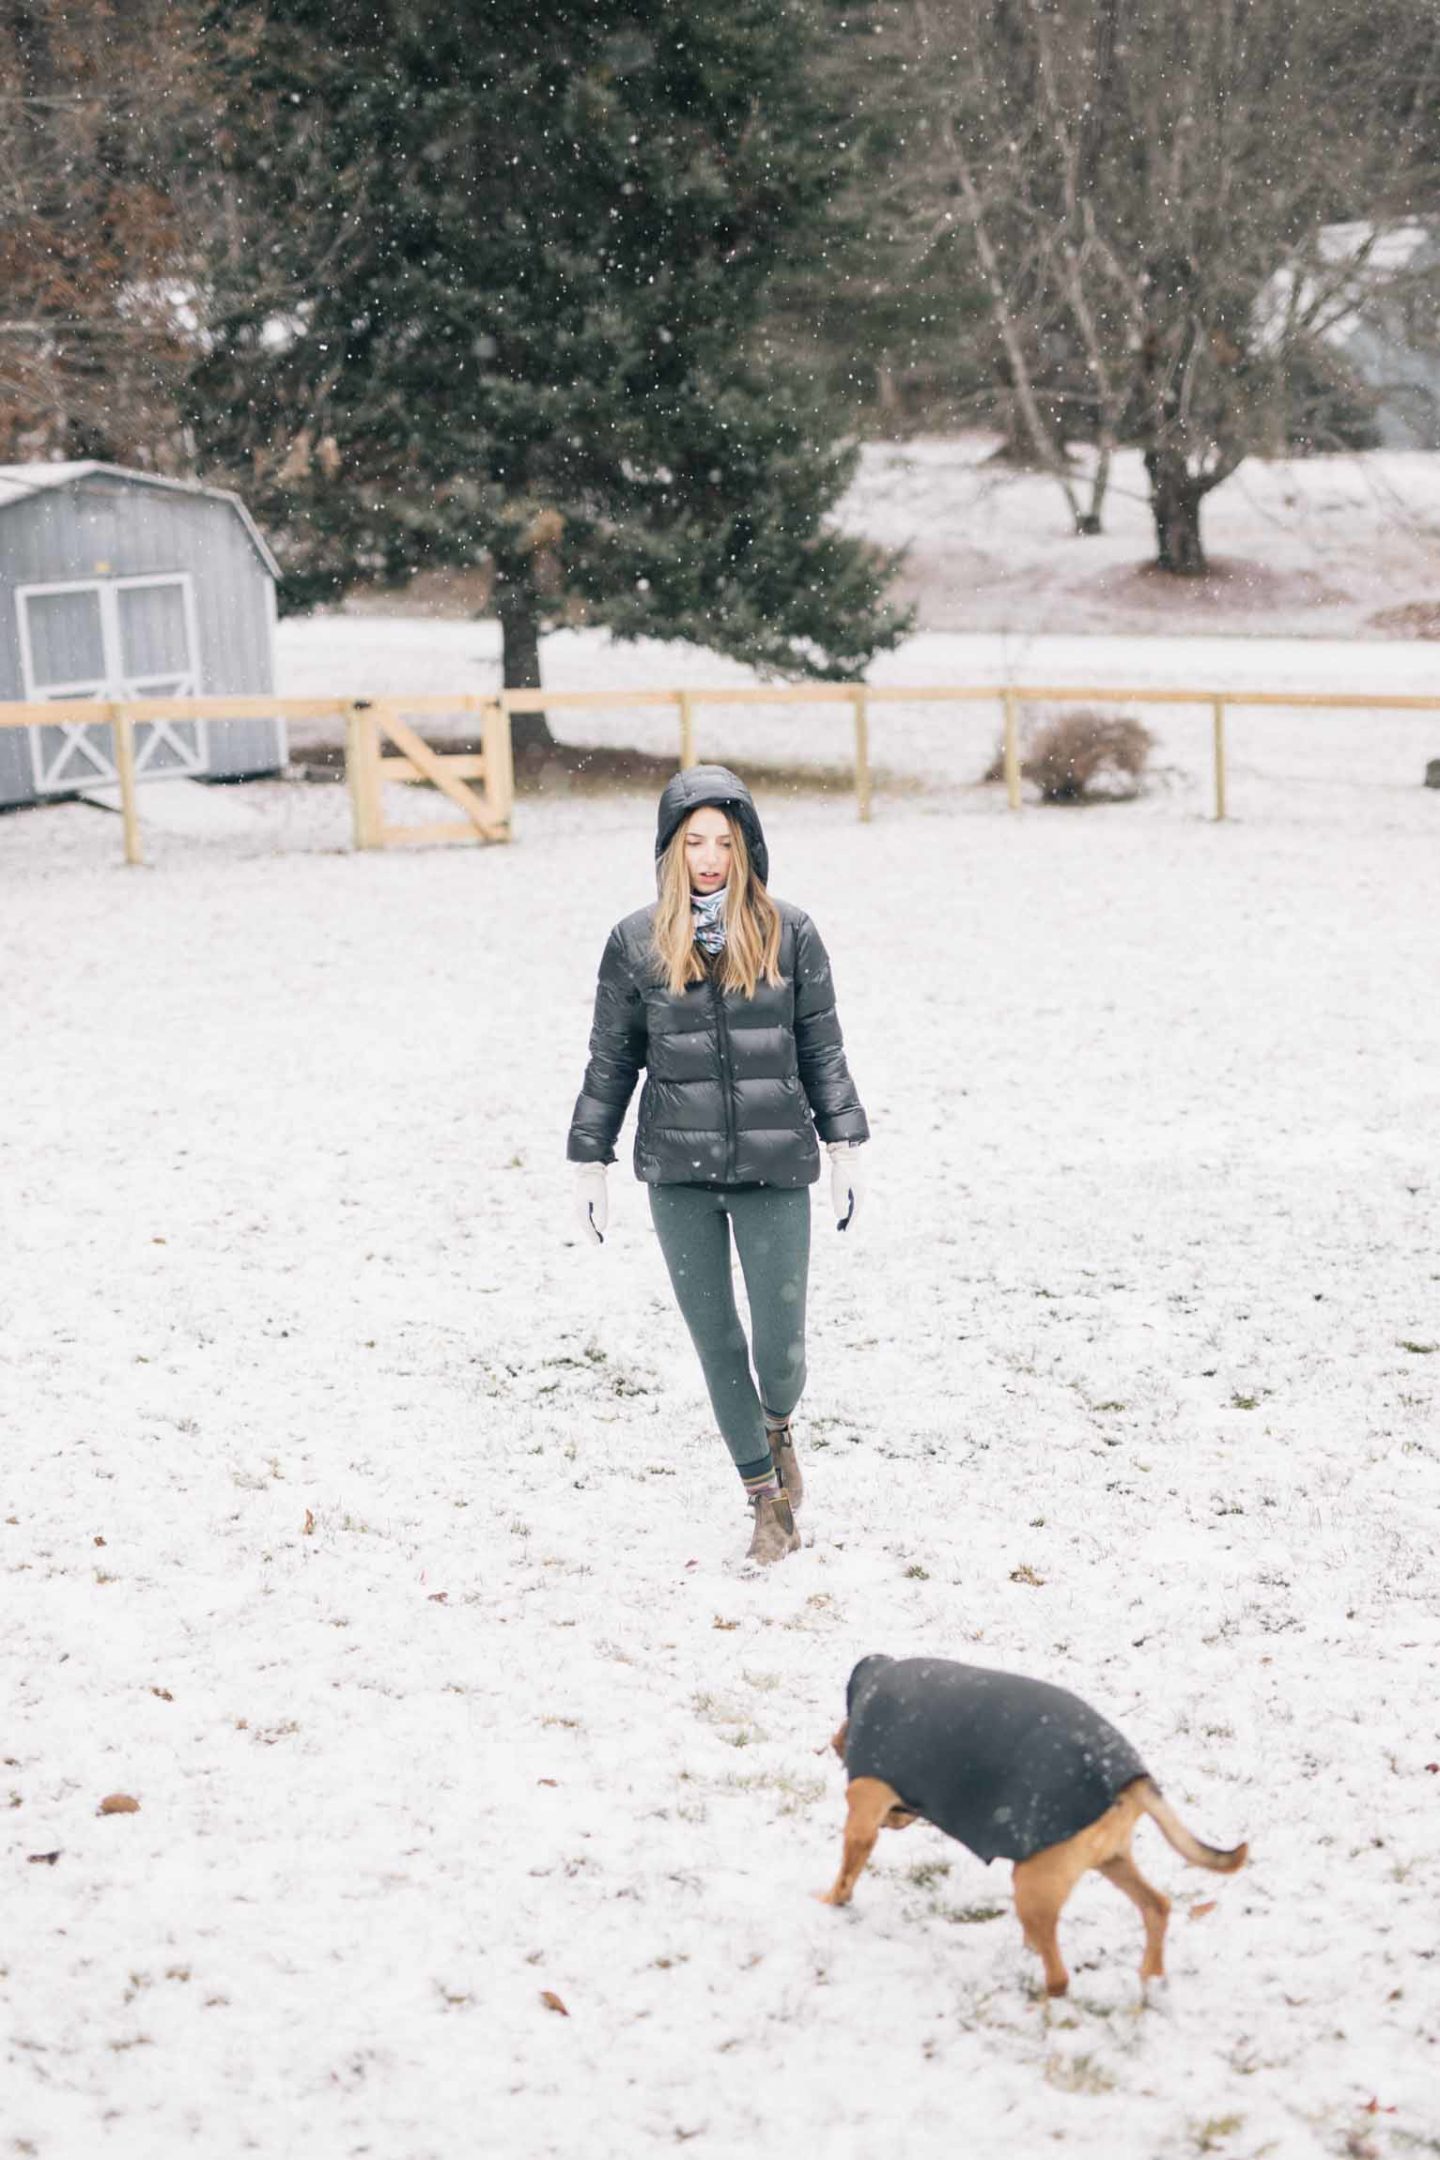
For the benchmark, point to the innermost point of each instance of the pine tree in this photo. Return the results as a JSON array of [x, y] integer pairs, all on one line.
[[490, 285], [888, 315]]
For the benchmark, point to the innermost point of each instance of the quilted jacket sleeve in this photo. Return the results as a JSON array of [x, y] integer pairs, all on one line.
[[617, 1052], [819, 1045]]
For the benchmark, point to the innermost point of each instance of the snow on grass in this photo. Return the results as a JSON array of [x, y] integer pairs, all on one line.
[[1301, 546], [1310, 761], [371, 1531], [1335, 546]]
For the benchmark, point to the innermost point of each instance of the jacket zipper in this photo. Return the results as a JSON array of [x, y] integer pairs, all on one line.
[[723, 1031]]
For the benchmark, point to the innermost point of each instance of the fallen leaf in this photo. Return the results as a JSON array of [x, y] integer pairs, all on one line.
[[159, 1241], [1027, 1575], [119, 1803], [308, 1529], [1433, 1768], [547, 1781], [43, 1859], [727, 1625], [99, 1541], [439, 1597], [1198, 1912], [163, 1693], [691, 1563], [552, 2001], [1373, 2107]]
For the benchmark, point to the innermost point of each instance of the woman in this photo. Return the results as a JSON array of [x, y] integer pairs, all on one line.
[[724, 996]]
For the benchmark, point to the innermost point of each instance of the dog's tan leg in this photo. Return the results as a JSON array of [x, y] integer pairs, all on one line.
[[869, 1801], [1042, 1884], [1154, 1909]]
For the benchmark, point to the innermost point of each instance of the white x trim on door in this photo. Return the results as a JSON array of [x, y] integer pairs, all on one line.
[[80, 754]]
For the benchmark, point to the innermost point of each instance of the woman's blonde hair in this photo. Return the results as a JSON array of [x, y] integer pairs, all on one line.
[[752, 920]]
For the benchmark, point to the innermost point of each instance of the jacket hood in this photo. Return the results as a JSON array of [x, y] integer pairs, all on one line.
[[864, 1675], [722, 789]]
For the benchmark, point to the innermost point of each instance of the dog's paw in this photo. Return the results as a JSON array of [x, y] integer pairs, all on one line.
[[1155, 1995]]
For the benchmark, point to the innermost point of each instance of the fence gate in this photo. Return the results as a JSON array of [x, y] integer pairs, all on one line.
[[485, 810]]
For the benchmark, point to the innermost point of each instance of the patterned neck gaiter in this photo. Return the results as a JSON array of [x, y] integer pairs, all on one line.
[[708, 911]]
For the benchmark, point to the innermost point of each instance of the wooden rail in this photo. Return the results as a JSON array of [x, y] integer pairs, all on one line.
[[1009, 696], [486, 815]]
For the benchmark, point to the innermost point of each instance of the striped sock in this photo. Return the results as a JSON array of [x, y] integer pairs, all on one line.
[[759, 1478]]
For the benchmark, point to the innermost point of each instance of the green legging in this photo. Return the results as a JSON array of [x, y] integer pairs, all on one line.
[[771, 1227]]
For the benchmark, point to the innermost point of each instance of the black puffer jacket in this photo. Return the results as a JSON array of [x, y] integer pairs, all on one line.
[[736, 1088]]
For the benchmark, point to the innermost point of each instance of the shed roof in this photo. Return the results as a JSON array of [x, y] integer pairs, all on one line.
[[19, 482]]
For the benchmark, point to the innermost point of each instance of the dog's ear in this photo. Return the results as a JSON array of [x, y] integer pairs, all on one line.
[[837, 1740]]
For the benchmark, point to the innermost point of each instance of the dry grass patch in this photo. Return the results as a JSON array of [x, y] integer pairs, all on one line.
[[1082, 756]]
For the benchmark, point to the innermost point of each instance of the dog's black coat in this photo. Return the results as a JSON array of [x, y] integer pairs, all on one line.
[[1005, 1764]]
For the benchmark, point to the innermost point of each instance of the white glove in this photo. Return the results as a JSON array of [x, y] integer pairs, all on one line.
[[591, 1203], [847, 1180]]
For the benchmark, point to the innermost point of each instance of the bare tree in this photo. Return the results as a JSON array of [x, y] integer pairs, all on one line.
[[95, 96], [1149, 190]]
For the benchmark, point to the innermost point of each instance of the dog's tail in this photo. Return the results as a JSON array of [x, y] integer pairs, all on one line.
[[1175, 1833]]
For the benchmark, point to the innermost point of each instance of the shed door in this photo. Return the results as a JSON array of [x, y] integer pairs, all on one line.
[[112, 638]]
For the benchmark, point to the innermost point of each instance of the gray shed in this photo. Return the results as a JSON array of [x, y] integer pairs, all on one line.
[[119, 584]]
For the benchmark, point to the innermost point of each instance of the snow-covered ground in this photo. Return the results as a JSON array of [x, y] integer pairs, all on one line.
[[1302, 750], [370, 1531], [1340, 545]]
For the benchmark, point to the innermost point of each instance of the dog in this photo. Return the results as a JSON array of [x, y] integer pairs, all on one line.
[[1017, 1770]]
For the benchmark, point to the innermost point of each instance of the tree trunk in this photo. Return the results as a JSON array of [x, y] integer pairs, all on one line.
[[887, 395], [520, 628], [1100, 481], [1175, 499], [1018, 449]]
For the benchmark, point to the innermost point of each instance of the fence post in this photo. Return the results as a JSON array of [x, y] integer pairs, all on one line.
[[687, 730], [1012, 751], [1219, 712], [861, 700], [499, 757], [122, 730], [361, 748]]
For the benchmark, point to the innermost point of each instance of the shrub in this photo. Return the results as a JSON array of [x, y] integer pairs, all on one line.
[[1077, 756]]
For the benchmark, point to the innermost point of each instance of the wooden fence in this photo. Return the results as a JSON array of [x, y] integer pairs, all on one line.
[[486, 814], [486, 810], [1010, 697]]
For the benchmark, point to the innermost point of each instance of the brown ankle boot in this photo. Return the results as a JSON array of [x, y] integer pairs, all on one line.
[[775, 1534], [787, 1463]]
